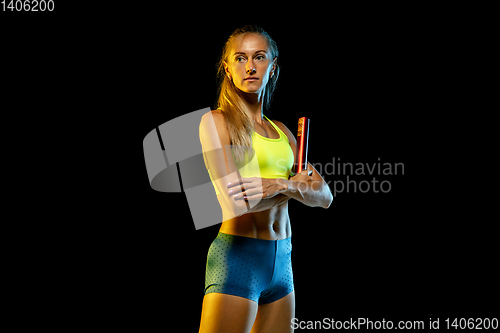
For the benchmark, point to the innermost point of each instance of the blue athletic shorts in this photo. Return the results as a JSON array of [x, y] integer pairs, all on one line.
[[257, 269]]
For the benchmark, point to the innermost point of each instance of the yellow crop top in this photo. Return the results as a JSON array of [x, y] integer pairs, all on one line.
[[273, 158]]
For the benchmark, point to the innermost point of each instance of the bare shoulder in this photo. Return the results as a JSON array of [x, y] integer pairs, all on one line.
[[214, 114], [217, 113], [214, 120], [216, 117]]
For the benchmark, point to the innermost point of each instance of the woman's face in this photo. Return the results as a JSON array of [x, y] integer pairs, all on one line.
[[249, 63]]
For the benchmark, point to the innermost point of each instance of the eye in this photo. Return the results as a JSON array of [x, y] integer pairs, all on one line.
[[240, 59], [260, 57]]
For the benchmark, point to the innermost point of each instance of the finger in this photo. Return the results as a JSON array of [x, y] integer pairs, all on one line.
[[246, 189], [252, 192], [241, 181], [256, 196], [306, 172], [243, 194], [235, 190], [234, 183]]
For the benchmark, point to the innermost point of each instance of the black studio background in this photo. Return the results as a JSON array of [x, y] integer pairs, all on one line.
[[365, 78], [365, 84]]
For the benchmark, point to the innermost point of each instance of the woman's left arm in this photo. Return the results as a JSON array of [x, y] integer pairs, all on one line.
[[311, 190]]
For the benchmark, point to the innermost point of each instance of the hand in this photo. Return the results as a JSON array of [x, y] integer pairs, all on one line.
[[256, 188], [303, 176]]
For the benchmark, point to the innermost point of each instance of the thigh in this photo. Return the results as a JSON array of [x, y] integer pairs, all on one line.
[[227, 313], [275, 317]]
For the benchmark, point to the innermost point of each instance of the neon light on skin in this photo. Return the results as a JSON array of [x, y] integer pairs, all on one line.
[[302, 132]]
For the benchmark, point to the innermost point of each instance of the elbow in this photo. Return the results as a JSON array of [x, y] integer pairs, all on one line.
[[323, 196], [327, 204], [323, 202], [328, 201]]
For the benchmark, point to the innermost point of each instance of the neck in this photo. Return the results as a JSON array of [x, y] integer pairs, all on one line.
[[253, 104]]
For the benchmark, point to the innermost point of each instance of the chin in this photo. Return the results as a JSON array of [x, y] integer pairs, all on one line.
[[251, 89]]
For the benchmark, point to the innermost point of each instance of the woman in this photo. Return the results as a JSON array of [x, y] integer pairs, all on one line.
[[249, 282]]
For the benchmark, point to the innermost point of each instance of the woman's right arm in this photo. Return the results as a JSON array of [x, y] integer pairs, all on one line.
[[219, 161]]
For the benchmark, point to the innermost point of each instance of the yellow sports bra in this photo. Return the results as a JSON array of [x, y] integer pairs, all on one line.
[[273, 158]]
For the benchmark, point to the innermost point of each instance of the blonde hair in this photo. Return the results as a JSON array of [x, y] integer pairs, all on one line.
[[239, 125]]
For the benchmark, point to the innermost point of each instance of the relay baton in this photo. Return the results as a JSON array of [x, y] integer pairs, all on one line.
[[302, 138]]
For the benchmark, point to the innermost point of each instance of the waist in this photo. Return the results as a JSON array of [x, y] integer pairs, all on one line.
[[250, 240], [271, 224]]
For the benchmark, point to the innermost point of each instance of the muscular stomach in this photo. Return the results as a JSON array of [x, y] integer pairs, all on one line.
[[271, 224]]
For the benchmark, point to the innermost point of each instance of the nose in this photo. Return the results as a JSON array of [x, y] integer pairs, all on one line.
[[250, 68]]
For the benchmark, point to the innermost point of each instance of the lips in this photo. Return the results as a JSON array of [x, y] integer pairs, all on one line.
[[251, 78]]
